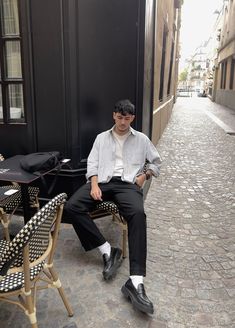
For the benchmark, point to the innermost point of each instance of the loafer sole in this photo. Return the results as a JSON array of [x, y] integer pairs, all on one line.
[[112, 272], [136, 305]]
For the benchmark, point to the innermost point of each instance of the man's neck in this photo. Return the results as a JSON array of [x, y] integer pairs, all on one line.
[[121, 133]]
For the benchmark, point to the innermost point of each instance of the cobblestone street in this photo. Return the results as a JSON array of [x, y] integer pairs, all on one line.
[[191, 240]]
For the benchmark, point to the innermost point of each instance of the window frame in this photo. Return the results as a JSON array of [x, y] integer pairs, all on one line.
[[232, 74], [6, 82], [171, 67], [163, 60]]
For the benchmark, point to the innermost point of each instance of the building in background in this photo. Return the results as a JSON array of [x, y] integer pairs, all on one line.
[[224, 68], [197, 69], [64, 64], [166, 57], [202, 66], [212, 53]]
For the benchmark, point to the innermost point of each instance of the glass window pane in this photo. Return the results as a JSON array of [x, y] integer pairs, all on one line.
[[1, 113], [10, 17], [13, 59], [16, 101]]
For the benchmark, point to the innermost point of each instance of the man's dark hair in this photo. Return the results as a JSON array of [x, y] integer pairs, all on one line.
[[124, 107]]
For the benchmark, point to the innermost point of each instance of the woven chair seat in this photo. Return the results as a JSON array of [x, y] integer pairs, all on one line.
[[15, 281], [107, 206], [10, 203]]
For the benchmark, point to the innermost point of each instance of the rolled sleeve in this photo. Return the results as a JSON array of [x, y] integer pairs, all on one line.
[[154, 159], [93, 160]]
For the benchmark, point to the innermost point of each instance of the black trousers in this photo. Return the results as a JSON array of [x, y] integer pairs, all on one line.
[[129, 199]]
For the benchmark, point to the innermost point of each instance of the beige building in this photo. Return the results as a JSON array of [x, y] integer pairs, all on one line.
[[197, 69], [167, 26], [224, 74]]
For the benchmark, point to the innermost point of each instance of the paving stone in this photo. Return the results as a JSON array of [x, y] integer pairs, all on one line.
[[72, 325], [204, 319]]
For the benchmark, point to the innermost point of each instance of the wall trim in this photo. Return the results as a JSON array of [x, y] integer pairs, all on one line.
[[163, 105]]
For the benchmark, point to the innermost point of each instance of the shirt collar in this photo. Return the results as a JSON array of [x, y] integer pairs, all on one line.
[[132, 131]]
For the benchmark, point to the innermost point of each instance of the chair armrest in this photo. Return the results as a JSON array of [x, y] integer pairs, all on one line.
[[146, 187]]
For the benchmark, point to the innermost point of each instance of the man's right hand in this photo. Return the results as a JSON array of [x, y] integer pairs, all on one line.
[[96, 192]]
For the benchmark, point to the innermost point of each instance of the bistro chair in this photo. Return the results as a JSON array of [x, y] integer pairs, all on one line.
[[108, 208], [10, 204], [26, 262]]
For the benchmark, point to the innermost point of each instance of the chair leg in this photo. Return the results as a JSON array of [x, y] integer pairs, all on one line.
[[124, 241], [36, 204], [5, 222], [31, 311], [58, 285]]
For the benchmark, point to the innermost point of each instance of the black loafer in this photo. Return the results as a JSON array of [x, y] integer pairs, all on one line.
[[138, 297], [112, 263]]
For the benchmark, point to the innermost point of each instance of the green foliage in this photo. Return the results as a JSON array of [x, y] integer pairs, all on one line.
[[183, 75]]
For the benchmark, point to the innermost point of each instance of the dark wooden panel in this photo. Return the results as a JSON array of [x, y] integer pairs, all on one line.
[[48, 66], [148, 77], [13, 140], [107, 56]]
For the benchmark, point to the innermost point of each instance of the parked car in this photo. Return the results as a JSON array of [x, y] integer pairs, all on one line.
[[201, 92], [183, 93]]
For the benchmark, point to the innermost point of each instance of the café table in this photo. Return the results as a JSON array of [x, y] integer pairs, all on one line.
[[11, 171]]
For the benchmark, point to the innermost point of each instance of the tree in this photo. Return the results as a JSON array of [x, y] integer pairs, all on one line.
[[183, 75]]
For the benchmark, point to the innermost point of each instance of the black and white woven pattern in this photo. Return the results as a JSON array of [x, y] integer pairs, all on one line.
[[37, 233], [107, 206], [15, 280], [15, 200], [3, 244]]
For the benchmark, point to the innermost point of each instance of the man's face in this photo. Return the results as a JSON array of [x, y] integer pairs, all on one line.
[[122, 122]]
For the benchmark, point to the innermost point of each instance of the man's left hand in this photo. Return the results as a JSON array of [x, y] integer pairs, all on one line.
[[140, 180]]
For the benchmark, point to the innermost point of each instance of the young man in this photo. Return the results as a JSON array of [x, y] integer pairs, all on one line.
[[115, 171]]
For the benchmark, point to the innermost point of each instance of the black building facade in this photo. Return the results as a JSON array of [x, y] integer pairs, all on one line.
[[78, 58]]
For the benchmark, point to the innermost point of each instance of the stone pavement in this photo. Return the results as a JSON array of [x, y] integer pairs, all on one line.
[[223, 116], [191, 242]]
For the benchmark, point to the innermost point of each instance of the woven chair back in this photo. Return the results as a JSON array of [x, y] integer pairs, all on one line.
[[36, 232]]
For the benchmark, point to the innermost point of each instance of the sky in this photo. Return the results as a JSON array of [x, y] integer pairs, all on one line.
[[197, 21]]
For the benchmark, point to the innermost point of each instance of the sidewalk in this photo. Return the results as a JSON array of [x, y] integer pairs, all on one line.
[[191, 242], [223, 116]]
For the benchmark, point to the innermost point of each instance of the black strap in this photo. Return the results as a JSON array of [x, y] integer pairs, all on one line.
[[50, 188]]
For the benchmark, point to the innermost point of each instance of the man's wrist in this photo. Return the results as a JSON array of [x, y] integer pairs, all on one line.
[[148, 175]]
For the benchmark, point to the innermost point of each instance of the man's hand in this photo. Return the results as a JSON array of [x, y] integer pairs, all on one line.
[[140, 180], [95, 193]]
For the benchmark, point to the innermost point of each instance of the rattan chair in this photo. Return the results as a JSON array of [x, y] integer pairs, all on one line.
[[10, 204], [26, 263], [110, 208]]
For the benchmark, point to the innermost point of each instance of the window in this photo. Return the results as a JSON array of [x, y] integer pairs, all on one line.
[[11, 78], [170, 70], [223, 75], [232, 75], [162, 72]]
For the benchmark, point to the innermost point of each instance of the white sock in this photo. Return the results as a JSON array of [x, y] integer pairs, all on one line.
[[105, 248], [136, 280]]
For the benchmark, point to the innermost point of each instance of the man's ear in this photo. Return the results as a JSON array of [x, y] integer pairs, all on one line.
[[114, 113], [132, 118]]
